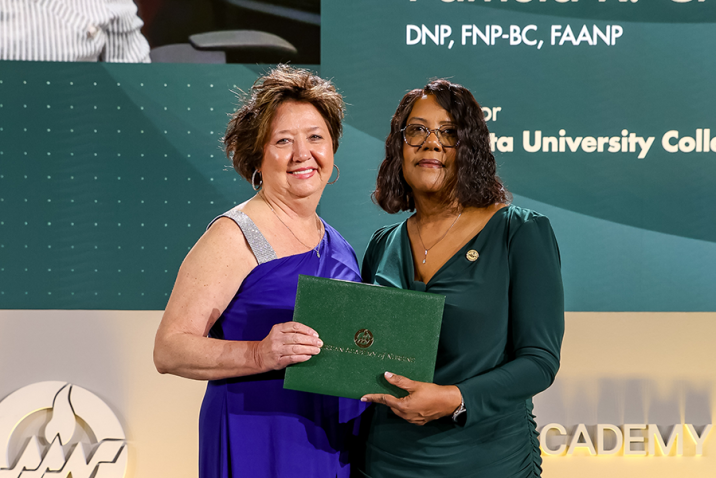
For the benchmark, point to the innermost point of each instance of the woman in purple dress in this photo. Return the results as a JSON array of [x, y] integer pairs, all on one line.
[[228, 320]]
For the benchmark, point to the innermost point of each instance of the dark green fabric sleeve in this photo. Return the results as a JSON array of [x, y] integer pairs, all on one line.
[[369, 260], [536, 325]]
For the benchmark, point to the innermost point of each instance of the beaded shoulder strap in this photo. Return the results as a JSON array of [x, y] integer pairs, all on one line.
[[257, 242]]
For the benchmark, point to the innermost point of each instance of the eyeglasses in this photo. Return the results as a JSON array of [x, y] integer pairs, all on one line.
[[416, 135]]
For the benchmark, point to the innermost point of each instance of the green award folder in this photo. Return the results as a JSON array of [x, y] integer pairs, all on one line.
[[366, 331]]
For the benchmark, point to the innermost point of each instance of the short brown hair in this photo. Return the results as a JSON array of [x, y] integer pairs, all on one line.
[[249, 127], [475, 183]]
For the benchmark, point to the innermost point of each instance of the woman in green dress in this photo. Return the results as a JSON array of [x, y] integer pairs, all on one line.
[[498, 266]]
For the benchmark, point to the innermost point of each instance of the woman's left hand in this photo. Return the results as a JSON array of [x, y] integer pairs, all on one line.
[[425, 401]]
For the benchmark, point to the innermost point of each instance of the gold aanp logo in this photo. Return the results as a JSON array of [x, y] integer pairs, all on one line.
[[363, 338]]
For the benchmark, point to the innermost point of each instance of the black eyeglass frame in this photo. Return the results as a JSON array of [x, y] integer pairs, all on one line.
[[433, 131]]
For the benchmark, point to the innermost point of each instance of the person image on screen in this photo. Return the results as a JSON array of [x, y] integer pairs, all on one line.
[[229, 317], [497, 265], [72, 30]]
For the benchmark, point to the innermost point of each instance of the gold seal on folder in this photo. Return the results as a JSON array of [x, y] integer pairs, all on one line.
[[363, 338]]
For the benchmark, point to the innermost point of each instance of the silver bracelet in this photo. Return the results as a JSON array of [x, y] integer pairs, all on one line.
[[459, 410]]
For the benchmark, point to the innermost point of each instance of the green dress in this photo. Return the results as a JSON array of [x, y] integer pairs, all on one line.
[[499, 343]]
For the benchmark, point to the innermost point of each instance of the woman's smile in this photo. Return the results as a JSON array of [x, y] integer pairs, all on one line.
[[430, 163], [304, 173]]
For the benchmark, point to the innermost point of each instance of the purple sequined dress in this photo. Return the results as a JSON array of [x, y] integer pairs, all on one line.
[[252, 427]]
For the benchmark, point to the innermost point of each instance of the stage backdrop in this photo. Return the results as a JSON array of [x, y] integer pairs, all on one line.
[[602, 118]]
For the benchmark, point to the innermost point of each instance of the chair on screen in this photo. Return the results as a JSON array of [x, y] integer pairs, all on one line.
[[297, 21], [233, 46]]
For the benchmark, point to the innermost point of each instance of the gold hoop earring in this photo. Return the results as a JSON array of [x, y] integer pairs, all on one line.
[[339, 175], [253, 181]]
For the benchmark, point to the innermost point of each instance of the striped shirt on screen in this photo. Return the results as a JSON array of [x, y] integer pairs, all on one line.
[[72, 30]]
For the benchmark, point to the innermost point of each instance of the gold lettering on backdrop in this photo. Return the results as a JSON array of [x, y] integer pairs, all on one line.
[[625, 440]]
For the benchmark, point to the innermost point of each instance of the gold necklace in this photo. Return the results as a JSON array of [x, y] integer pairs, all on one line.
[[436, 243], [318, 254]]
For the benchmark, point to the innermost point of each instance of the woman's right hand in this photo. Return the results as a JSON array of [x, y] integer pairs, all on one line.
[[286, 344]]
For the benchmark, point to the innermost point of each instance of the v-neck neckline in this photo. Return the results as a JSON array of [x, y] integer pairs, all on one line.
[[408, 252]]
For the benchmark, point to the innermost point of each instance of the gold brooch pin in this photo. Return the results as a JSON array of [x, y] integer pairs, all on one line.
[[472, 255]]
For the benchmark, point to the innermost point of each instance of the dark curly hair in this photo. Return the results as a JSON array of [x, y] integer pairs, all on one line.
[[475, 182], [249, 127]]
